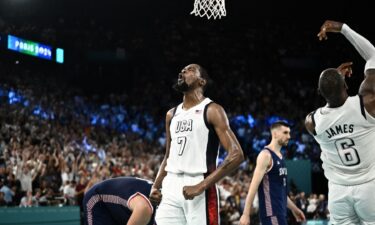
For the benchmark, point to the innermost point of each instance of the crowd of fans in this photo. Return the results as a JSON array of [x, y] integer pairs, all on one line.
[[56, 141], [55, 146]]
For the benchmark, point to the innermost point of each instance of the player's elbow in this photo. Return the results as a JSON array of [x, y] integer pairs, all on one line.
[[237, 157]]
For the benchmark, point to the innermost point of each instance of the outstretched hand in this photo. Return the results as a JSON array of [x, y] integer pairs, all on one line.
[[329, 26], [345, 69]]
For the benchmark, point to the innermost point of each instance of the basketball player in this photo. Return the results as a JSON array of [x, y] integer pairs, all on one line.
[[270, 181], [119, 201], [188, 172], [345, 130]]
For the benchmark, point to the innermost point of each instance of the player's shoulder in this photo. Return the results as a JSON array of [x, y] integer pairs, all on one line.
[[264, 154], [310, 122], [216, 114], [214, 107], [171, 111], [309, 117], [264, 159]]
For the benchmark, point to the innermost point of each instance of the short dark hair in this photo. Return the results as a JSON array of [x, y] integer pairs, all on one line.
[[204, 75], [203, 72], [279, 123], [331, 84]]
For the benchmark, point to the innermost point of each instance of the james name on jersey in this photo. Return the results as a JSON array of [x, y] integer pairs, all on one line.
[[340, 129]]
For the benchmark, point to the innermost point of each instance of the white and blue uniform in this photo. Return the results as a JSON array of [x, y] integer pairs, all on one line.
[[192, 156], [272, 193], [346, 136]]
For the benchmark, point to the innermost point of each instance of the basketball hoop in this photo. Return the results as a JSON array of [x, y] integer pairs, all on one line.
[[209, 8]]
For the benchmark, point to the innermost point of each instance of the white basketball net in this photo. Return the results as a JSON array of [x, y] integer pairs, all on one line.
[[209, 8]]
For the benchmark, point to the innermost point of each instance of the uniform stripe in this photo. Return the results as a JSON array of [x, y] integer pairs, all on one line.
[[313, 121], [173, 113], [212, 197], [274, 220], [205, 115], [140, 194], [267, 197], [212, 206], [362, 106], [102, 198], [212, 150]]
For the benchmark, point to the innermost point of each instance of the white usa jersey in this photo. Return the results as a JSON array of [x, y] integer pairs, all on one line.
[[194, 143], [347, 139]]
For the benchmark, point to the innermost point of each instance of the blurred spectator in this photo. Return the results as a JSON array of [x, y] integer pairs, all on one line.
[[2, 200], [8, 193], [311, 208], [301, 201]]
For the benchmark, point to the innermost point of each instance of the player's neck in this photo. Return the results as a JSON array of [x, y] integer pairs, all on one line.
[[275, 148], [338, 103], [192, 99]]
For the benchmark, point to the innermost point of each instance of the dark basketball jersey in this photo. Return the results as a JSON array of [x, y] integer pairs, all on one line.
[[112, 196], [272, 191]]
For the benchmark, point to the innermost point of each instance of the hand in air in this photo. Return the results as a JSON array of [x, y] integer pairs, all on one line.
[[345, 69], [329, 26]]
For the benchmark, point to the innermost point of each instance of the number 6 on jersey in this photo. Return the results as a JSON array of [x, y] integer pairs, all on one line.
[[348, 154]]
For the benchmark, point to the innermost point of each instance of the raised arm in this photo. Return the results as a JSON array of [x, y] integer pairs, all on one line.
[[217, 117], [363, 46], [366, 50], [155, 194]]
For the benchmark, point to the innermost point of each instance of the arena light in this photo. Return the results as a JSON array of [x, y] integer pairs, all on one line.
[[59, 55]]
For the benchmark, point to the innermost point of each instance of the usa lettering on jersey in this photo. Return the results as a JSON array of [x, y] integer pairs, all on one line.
[[184, 125]]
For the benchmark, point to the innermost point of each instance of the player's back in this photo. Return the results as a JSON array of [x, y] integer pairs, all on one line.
[[346, 135], [124, 186], [115, 194]]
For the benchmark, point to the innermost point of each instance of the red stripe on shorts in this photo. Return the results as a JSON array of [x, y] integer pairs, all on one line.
[[212, 207]]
